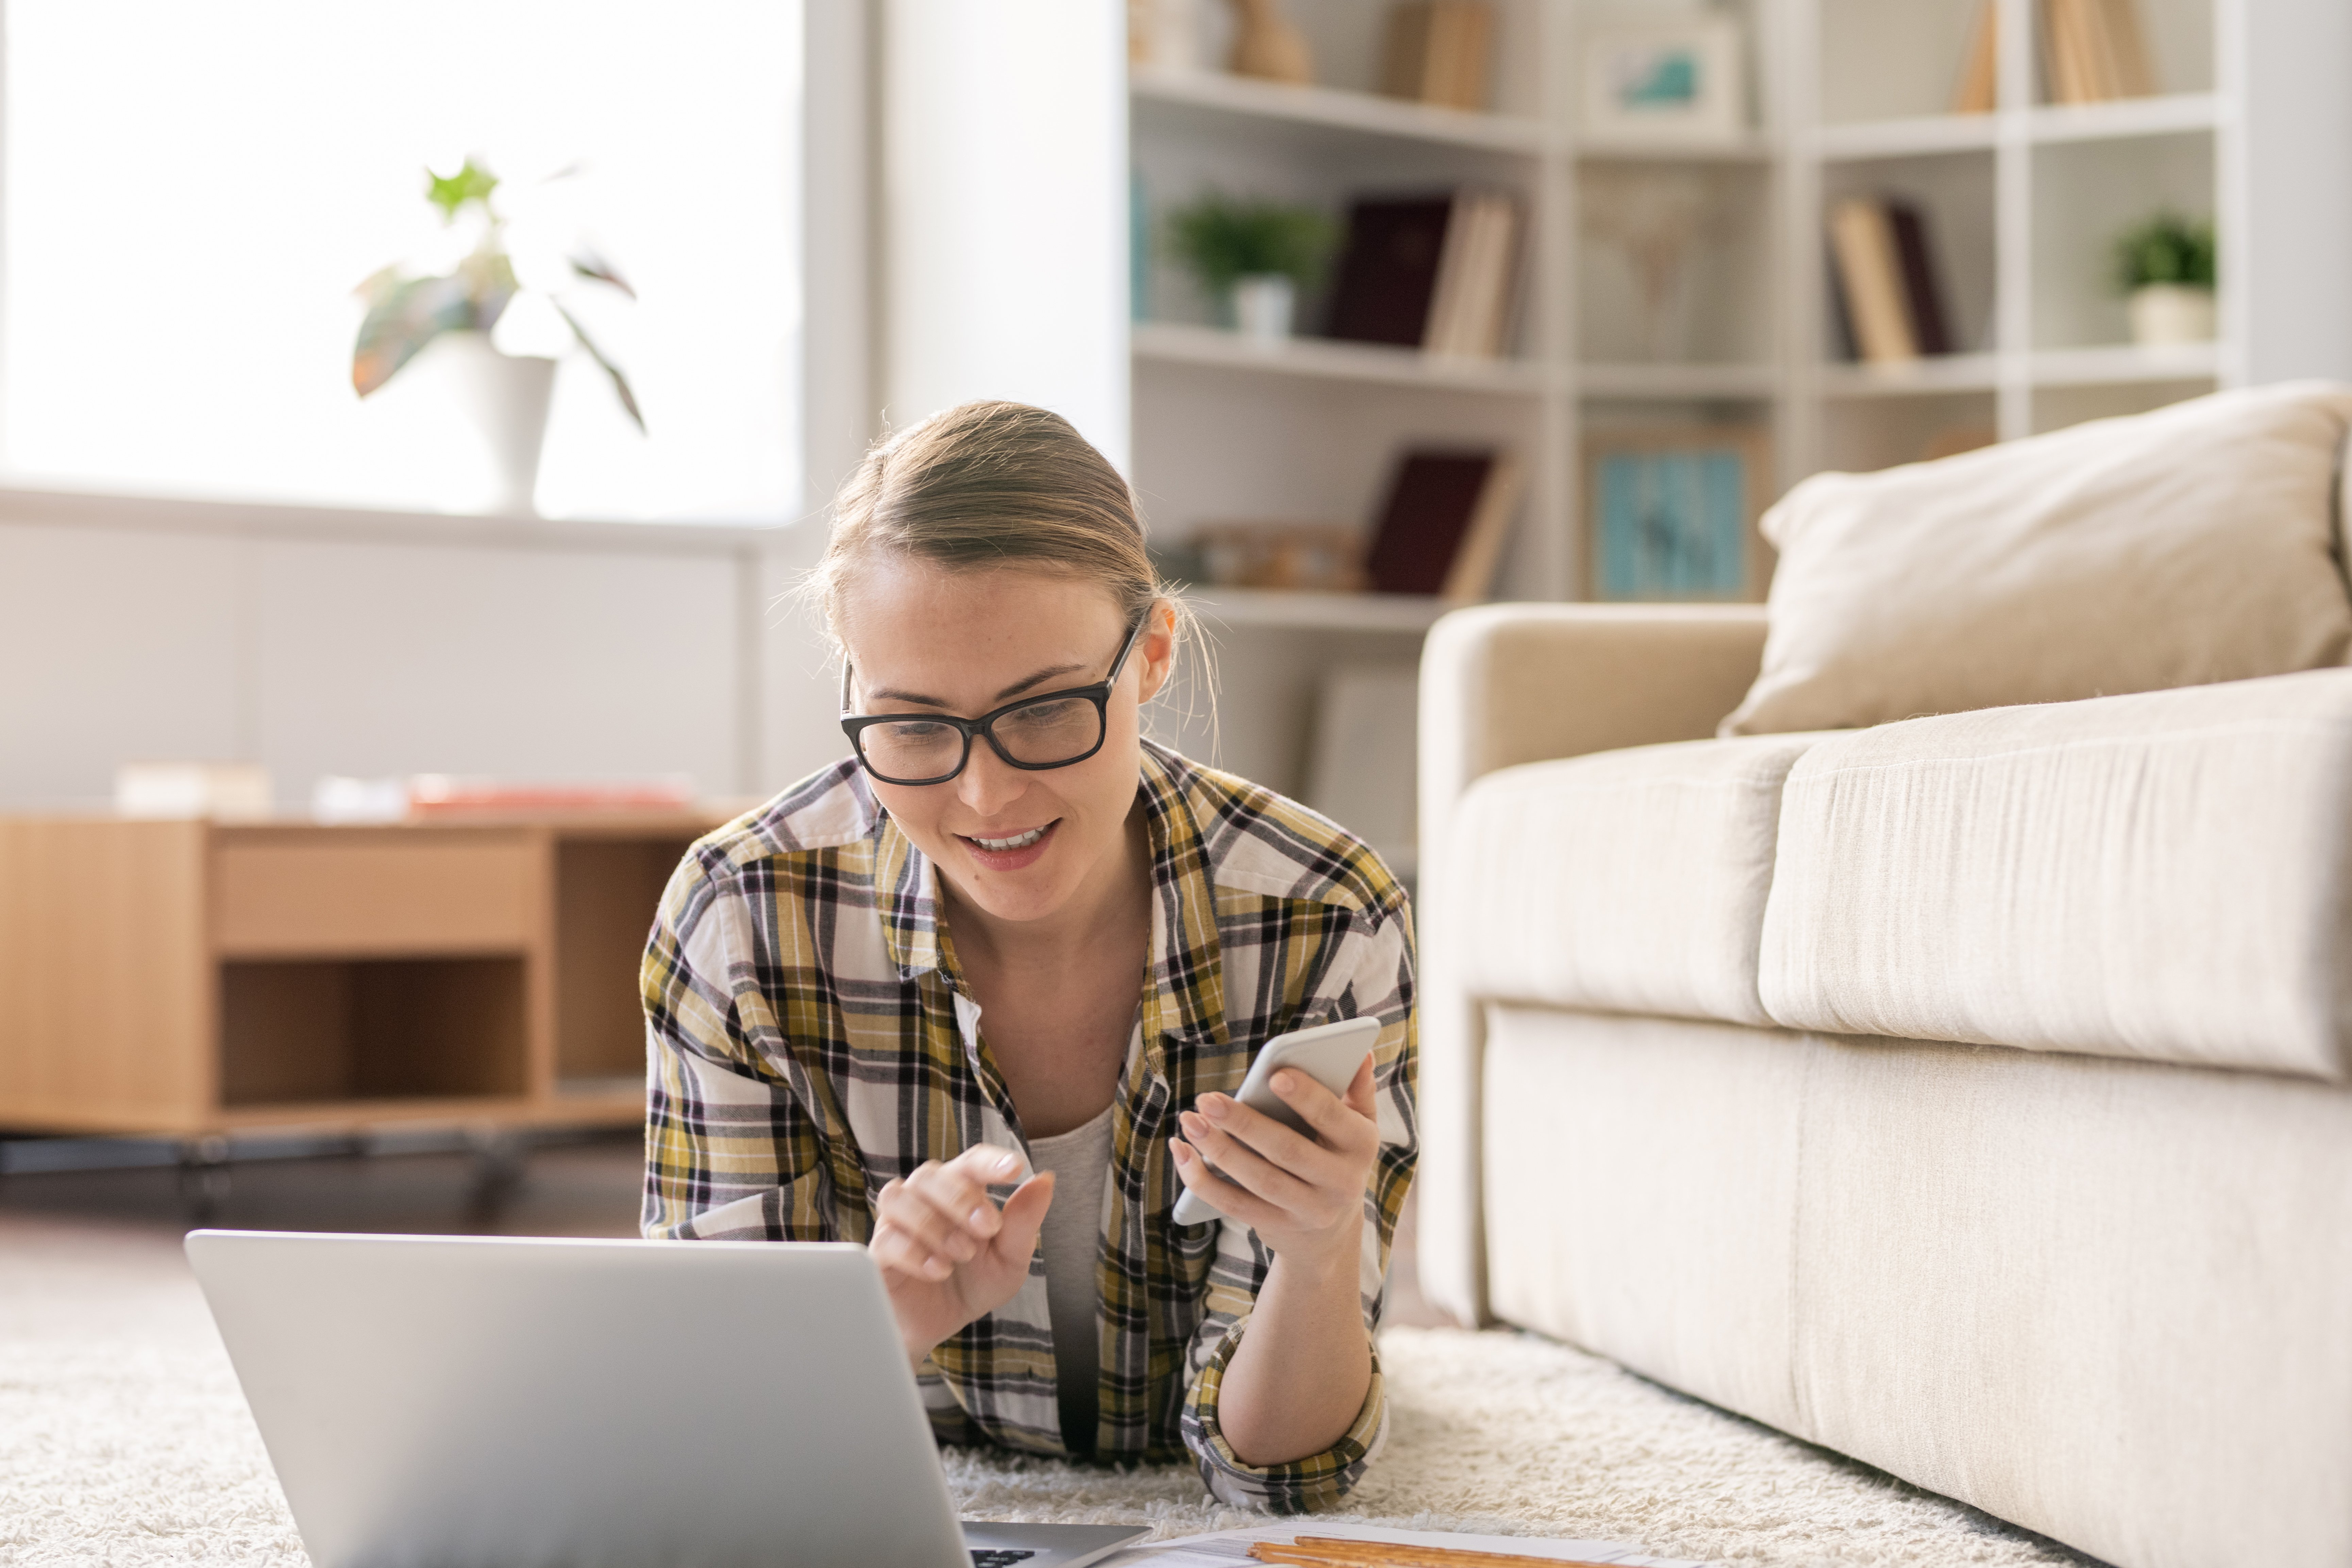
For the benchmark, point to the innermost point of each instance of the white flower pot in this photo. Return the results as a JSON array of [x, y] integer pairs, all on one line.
[[502, 402], [1263, 305], [2166, 314]]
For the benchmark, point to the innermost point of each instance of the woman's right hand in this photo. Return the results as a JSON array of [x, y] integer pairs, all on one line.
[[948, 1253]]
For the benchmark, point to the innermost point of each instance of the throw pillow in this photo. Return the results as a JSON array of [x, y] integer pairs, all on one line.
[[2195, 544]]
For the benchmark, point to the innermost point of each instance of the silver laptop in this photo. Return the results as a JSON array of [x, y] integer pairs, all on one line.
[[488, 1403]]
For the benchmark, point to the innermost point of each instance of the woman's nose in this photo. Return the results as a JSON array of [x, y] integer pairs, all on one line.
[[988, 784]]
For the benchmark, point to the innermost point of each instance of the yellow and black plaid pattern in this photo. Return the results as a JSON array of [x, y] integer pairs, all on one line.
[[810, 1037]]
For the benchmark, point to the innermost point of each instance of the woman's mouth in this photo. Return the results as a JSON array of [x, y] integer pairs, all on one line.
[[1012, 851]]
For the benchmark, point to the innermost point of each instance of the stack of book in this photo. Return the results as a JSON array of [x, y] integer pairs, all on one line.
[[1443, 525], [2091, 51], [1891, 307], [1438, 52], [1434, 273], [2094, 51]]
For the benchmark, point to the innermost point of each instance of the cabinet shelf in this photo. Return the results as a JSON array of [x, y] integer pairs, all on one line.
[[1943, 373], [1640, 381], [1333, 109], [1174, 342], [2121, 365], [2164, 116], [2167, 115]]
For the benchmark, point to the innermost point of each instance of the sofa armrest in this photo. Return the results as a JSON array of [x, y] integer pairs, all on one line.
[[1506, 684]]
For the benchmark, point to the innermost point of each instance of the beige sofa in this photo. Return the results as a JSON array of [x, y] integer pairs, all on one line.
[[1967, 1094]]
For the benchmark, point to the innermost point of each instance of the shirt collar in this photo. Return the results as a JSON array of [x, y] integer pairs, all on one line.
[[1185, 994]]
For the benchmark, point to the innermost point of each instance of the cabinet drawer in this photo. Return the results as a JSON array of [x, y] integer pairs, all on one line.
[[335, 893]]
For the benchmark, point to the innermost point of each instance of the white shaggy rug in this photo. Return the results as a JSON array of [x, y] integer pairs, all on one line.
[[123, 1440]]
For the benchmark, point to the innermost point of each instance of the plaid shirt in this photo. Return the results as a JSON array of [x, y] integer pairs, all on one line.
[[810, 1037]]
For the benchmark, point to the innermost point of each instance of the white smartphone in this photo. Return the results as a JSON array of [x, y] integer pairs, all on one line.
[[1328, 1053]]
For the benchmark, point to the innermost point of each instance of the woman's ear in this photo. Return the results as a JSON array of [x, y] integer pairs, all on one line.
[[1157, 647]]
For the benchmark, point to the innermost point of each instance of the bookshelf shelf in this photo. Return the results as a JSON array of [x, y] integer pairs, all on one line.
[[1907, 137], [2163, 116], [1942, 373], [1752, 149], [1176, 343], [1678, 381], [1393, 613], [2124, 364], [1335, 108]]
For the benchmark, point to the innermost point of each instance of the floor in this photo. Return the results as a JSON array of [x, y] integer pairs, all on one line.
[[579, 1185]]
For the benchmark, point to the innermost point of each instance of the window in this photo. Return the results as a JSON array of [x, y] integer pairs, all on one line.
[[194, 192]]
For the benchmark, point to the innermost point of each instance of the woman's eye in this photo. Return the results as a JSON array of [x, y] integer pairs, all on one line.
[[919, 729], [1047, 712]]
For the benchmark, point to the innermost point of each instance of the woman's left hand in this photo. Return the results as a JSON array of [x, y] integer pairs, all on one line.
[[1304, 1196]]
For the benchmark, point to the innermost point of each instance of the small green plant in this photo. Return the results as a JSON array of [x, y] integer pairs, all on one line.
[[2166, 248], [406, 314], [1221, 239]]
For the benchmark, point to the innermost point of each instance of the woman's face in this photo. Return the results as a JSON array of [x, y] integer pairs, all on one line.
[[1020, 844]]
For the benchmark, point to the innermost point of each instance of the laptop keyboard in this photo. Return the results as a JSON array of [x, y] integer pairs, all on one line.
[[998, 1558]]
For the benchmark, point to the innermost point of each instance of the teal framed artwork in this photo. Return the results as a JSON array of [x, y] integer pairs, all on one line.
[[1671, 514]]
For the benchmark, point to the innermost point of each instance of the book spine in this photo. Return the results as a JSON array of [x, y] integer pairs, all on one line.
[[2136, 71], [1920, 292], [1867, 266], [1404, 58], [1445, 46], [1979, 91], [1445, 334], [1471, 576], [1502, 274]]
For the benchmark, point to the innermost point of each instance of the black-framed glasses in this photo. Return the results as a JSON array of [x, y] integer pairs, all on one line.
[[1051, 730]]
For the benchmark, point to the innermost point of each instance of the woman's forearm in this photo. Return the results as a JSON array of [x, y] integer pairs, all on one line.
[[1298, 1379]]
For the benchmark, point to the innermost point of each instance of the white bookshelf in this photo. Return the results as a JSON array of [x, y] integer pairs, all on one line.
[[1848, 96]]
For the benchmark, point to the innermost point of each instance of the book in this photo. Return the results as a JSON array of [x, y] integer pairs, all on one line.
[[1434, 273], [1440, 52], [1922, 295], [1474, 275], [2094, 51], [1443, 523], [1978, 90], [1870, 275], [1387, 275]]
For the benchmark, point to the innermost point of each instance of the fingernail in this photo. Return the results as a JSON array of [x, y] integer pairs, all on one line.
[[1214, 1106], [963, 1248], [1191, 1123], [1183, 1152], [1008, 1164], [938, 1267], [1285, 1080], [982, 1219]]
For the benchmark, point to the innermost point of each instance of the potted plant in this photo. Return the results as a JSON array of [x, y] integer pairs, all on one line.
[[1252, 257], [2164, 266], [446, 318]]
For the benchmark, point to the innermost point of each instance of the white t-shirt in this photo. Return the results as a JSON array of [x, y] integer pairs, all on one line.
[[1080, 1161]]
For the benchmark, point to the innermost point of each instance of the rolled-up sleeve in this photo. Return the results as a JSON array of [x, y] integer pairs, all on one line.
[[1372, 975], [731, 1152]]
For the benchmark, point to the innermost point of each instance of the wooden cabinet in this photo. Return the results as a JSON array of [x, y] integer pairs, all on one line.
[[192, 977]]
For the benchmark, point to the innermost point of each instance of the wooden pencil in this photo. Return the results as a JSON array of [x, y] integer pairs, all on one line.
[[1335, 1551]]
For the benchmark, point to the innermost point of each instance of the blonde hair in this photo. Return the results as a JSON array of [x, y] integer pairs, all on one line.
[[989, 485]]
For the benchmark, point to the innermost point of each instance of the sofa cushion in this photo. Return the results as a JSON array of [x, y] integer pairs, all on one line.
[[2162, 876], [1629, 881], [2192, 544]]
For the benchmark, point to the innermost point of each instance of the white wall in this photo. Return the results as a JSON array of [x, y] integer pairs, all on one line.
[[313, 644], [1004, 221]]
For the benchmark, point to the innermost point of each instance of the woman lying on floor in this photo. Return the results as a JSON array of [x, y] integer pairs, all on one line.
[[1011, 937]]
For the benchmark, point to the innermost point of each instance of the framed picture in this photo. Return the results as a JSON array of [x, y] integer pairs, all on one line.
[[1687, 82], [1671, 514]]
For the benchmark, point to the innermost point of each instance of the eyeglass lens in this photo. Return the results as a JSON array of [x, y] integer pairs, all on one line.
[[1039, 735]]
